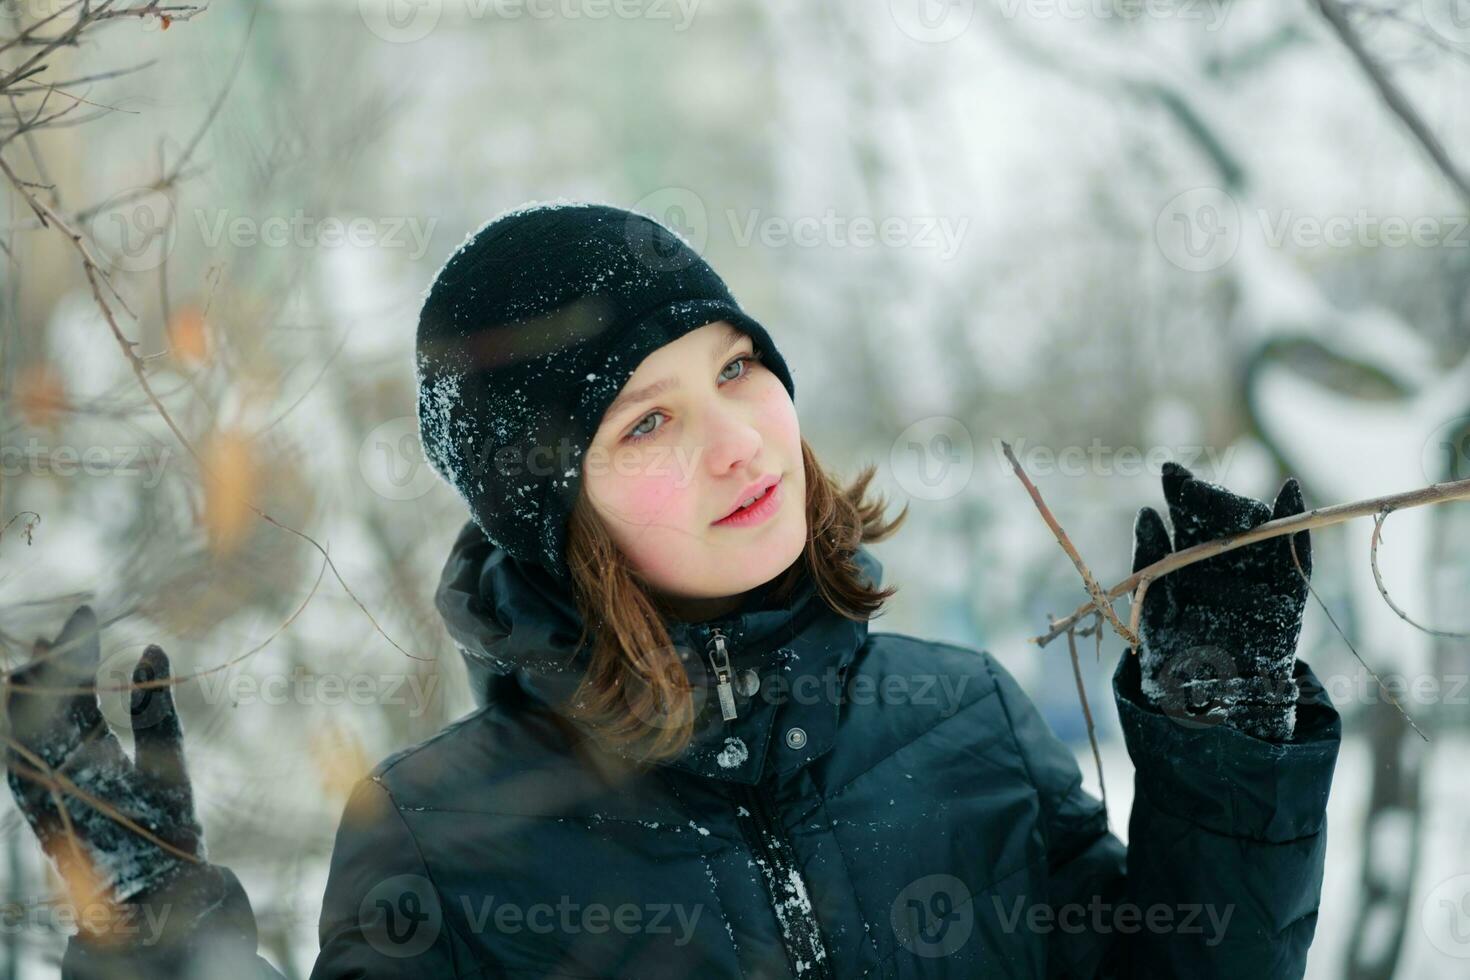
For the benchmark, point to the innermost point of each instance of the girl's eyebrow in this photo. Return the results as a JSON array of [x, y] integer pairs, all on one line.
[[731, 336]]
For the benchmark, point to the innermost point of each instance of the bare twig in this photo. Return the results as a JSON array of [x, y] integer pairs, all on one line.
[[1391, 95], [170, 681], [27, 33], [1378, 520], [1340, 632], [95, 278], [1087, 713], [57, 782], [1317, 517], [26, 528], [1099, 601]]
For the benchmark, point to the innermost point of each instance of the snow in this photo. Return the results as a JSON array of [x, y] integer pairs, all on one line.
[[792, 905], [437, 401], [733, 754]]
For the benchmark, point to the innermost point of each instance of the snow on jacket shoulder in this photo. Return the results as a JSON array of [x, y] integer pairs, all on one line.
[[881, 806]]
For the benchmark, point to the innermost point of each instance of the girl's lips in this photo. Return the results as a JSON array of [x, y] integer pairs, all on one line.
[[757, 512]]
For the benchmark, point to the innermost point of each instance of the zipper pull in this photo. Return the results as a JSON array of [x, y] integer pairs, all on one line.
[[720, 661]]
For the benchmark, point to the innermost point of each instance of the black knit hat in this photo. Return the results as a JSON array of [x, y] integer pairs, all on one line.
[[528, 333]]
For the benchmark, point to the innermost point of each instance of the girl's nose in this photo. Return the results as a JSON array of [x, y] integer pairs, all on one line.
[[731, 441]]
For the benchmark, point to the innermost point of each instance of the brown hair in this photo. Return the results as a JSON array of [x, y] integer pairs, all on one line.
[[635, 696]]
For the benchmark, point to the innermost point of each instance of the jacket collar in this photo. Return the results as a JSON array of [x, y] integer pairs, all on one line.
[[512, 619]]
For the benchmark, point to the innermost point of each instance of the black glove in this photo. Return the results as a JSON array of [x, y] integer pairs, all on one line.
[[1220, 635], [112, 865]]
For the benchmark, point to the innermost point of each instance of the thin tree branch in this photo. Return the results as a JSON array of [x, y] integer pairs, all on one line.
[[1390, 94], [171, 681], [1435, 493], [1378, 520], [1342, 633], [1099, 600], [95, 276], [1087, 713]]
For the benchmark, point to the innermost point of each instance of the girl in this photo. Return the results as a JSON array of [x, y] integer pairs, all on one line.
[[692, 758]]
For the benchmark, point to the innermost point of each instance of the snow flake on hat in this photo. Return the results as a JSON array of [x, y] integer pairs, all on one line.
[[438, 399]]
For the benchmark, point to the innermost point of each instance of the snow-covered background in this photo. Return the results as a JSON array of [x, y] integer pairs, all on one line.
[[1112, 232]]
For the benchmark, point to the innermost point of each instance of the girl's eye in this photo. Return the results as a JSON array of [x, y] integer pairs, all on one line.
[[633, 433]]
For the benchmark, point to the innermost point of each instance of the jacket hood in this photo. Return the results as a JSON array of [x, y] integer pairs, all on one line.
[[511, 619]]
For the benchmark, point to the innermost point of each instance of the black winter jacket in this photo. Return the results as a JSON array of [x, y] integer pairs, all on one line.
[[881, 806]]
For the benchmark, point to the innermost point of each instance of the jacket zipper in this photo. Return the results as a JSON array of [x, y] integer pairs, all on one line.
[[800, 933], [719, 661], [799, 930]]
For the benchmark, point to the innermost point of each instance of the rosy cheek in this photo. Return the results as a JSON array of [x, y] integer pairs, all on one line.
[[649, 498], [651, 504], [778, 418]]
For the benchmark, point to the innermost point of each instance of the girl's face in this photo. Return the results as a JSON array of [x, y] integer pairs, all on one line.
[[666, 466]]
